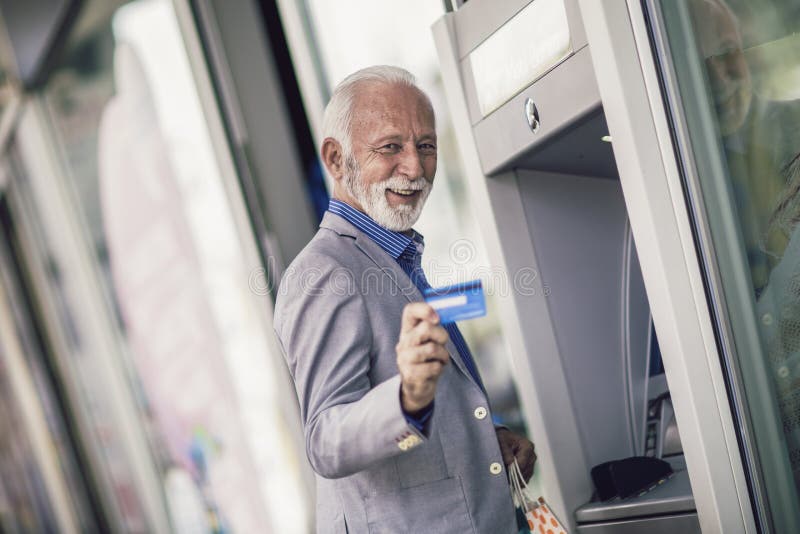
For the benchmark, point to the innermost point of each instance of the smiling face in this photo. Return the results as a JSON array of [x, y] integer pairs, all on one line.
[[728, 72], [389, 171]]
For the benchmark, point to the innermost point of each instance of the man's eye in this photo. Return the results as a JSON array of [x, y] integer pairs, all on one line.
[[427, 148], [391, 147]]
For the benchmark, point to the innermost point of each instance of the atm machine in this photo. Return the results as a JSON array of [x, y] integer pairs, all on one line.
[[527, 110]]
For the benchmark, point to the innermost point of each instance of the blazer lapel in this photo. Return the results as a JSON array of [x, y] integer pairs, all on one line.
[[389, 266]]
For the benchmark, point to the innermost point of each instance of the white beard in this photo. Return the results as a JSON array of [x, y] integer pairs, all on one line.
[[373, 197]]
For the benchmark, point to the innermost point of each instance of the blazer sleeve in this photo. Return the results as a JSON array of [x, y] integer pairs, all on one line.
[[324, 328]]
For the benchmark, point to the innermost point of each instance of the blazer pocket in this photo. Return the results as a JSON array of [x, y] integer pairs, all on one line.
[[423, 464], [435, 507]]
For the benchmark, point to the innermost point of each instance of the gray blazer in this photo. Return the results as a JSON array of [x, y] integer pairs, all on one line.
[[338, 319]]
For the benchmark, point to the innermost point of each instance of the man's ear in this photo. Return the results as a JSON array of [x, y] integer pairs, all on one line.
[[332, 157]]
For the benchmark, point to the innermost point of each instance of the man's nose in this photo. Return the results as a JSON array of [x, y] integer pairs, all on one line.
[[718, 67], [410, 163]]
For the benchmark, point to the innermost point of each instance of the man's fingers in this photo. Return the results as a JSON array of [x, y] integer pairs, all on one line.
[[527, 471], [430, 370], [427, 331], [516, 447], [430, 352], [421, 355], [508, 455], [425, 353], [424, 376], [412, 361], [415, 312], [526, 457], [505, 440]]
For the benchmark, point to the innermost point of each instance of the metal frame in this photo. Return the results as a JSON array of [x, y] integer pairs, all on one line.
[[248, 241], [33, 417], [14, 103], [308, 65], [39, 154], [36, 73], [239, 60], [35, 262], [11, 100], [705, 245], [651, 182], [731, 307]]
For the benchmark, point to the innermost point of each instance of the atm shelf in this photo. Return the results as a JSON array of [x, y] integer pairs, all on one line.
[[672, 497]]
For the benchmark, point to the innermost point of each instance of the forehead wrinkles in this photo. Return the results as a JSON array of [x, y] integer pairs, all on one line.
[[378, 105]]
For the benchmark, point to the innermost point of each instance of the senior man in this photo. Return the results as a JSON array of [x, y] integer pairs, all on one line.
[[396, 419]]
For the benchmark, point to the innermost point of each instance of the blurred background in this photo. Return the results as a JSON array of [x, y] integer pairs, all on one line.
[[158, 172]]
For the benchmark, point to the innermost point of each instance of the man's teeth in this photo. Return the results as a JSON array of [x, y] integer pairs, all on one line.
[[404, 192]]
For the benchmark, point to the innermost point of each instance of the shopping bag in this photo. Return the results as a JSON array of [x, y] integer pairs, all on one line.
[[539, 516]]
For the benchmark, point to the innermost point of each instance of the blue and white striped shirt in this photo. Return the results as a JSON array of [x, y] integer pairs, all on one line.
[[407, 252]]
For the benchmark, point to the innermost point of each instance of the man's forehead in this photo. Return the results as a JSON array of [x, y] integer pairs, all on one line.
[[388, 102], [719, 33]]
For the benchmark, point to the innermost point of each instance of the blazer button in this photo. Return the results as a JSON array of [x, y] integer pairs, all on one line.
[[480, 412], [495, 468]]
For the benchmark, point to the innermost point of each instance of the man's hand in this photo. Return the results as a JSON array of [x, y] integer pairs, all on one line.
[[421, 355], [513, 446]]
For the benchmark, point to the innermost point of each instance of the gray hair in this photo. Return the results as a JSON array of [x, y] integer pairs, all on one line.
[[338, 117]]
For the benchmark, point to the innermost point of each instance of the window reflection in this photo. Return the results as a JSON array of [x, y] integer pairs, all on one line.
[[752, 63]]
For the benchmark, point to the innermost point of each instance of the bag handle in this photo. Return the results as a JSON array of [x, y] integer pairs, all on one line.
[[519, 488]]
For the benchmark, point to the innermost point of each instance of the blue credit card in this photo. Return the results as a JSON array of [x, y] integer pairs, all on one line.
[[457, 302]]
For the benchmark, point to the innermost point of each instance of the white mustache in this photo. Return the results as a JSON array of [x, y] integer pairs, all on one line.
[[398, 182]]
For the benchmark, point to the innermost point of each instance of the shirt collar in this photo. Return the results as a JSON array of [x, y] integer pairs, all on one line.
[[393, 243]]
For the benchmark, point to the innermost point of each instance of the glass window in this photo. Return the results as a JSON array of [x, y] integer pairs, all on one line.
[[737, 66], [33, 433], [152, 275], [24, 502], [106, 442]]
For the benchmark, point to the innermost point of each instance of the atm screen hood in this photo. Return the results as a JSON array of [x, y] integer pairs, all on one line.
[[566, 134]]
